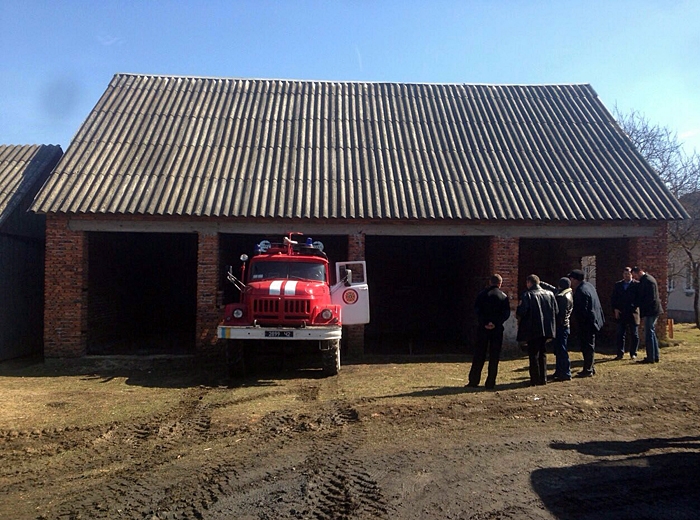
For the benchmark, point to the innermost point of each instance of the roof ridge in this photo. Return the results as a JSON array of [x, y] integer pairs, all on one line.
[[371, 82]]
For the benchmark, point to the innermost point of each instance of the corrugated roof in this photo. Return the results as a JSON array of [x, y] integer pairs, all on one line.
[[21, 167], [161, 145]]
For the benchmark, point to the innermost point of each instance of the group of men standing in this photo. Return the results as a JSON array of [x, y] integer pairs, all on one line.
[[546, 312]]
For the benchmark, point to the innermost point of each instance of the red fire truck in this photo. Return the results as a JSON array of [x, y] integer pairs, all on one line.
[[286, 294]]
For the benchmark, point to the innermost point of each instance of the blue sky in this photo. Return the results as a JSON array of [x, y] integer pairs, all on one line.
[[59, 56]]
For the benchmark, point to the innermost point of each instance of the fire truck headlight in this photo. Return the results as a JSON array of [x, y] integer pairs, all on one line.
[[326, 314], [238, 314]]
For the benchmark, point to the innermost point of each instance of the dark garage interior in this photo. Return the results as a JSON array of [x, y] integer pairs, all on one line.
[[422, 291], [142, 291]]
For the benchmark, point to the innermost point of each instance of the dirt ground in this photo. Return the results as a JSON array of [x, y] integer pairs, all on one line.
[[394, 438]]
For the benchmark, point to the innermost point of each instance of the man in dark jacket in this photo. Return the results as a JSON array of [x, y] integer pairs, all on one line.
[[649, 309], [536, 314], [492, 310], [588, 319], [565, 302], [624, 304]]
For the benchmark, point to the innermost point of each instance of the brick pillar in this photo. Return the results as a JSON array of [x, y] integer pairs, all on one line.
[[207, 286], [65, 290], [651, 254], [355, 334], [503, 258]]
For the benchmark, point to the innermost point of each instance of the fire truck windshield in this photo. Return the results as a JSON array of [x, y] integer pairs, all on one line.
[[288, 270]]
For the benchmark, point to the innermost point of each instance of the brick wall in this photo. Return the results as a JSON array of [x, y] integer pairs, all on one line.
[[65, 310], [208, 315], [355, 334], [356, 247], [503, 258], [651, 254]]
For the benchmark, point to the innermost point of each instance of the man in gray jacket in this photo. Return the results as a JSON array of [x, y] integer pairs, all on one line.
[[536, 315]]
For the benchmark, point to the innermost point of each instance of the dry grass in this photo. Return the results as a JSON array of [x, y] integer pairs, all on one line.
[[37, 397]]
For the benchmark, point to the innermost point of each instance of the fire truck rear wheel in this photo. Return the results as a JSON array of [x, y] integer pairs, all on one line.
[[331, 357]]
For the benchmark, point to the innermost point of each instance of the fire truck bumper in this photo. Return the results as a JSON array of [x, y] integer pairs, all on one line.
[[283, 333]]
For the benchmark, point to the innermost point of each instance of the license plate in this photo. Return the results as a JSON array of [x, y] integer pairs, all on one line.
[[279, 333]]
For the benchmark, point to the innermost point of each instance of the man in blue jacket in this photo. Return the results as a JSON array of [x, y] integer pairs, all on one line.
[[588, 318]]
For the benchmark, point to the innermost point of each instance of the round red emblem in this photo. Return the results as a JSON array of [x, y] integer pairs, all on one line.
[[350, 296]]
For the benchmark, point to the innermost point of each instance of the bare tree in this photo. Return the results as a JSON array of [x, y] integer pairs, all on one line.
[[663, 151], [681, 174], [684, 237]]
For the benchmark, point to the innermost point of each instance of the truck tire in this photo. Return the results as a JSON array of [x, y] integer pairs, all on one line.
[[235, 359], [331, 357]]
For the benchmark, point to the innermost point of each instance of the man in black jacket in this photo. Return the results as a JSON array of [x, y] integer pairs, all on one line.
[[536, 314], [565, 301], [649, 308], [492, 310], [624, 304], [588, 318]]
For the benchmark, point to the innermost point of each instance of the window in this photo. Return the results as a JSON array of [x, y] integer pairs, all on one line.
[[288, 270], [671, 277], [588, 265]]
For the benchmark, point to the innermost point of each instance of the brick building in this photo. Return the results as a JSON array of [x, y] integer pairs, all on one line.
[[23, 170], [436, 186]]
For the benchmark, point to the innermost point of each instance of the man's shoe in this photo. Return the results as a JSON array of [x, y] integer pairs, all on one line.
[[584, 374], [489, 386], [619, 357], [633, 356], [647, 360], [472, 385]]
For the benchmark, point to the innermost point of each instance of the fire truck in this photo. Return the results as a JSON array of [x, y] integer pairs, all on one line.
[[286, 294]]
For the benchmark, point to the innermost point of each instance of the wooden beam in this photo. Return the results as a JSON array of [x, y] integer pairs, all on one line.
[[549, 230]]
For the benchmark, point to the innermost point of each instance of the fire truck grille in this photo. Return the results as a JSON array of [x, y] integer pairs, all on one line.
[[267, 307], [297, 308], [270, 308]]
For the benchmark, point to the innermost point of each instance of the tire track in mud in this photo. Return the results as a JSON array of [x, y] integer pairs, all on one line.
[[104, 462], [340, 487], [190, 490], [141, 470], [325, 482], [136, 489]]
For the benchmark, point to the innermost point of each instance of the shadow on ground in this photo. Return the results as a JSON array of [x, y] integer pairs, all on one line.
[[643, 479]]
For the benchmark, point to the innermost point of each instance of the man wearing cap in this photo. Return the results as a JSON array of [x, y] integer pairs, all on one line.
[[565, 302], [649, 309], [588, 318]]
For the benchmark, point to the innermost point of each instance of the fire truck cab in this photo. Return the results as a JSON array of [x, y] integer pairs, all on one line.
[[286, 294]]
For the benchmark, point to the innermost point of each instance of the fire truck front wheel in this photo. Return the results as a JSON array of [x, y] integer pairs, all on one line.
[[235, 359], [331, 357]]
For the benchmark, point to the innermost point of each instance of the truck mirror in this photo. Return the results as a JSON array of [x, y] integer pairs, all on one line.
[[244, 257], [348, 277]]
